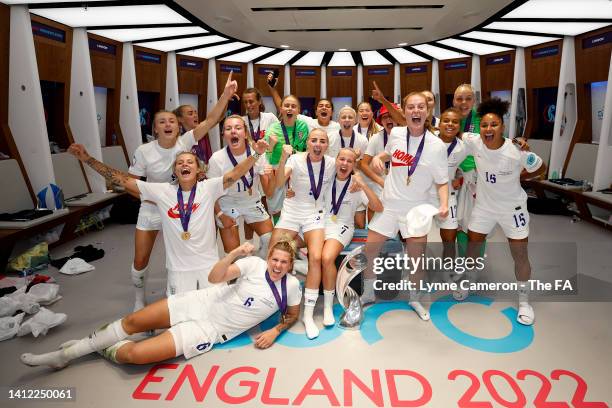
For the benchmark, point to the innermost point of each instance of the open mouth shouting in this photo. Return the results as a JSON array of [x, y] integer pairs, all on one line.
[[185, 171], [317, 150], [416, 119], [234, 141], [489, 136]]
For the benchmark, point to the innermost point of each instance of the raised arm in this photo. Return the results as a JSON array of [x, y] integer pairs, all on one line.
[[397, 116], [373, 200], [216, 113], [275, 95], [117, 177], [240, 170], [282, 173], [225, 270]]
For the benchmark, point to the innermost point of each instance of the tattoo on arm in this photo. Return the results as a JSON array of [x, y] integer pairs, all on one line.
[[228, 180], [116, 177]]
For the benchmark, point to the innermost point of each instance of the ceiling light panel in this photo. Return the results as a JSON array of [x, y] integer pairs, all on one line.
[[512, 39], [405, 56], [473, 47], [281, 58], [563, 9], [439, 53], [312, 59], [249, 55], [170, 45], [547, 27], [341, 59], [373, 58], [137, 34], [213, 51], [112, 15]]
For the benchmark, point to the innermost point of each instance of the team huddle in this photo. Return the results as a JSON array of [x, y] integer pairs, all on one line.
[[298, 181]]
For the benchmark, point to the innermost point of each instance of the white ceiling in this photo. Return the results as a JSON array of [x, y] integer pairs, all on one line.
[[237, 19], [232, 30]]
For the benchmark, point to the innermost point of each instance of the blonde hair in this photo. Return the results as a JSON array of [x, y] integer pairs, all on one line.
[[350, 149], [244, 125], [348, 108], [286, 244], [468, 86], [159, 112]]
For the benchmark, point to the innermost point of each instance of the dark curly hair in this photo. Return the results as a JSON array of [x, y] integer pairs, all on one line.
[[495, 106]]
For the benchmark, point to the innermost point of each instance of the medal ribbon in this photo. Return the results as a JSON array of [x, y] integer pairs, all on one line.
[[450, 148], [286, 134], [235, 163], [255, 135], [351, 143], [385, 140], [417, 157], [185, 214], [314, 188], [468, 122], [336, 204], [280, 301]]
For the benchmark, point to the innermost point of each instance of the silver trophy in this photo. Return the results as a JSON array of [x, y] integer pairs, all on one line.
[[352, 265]]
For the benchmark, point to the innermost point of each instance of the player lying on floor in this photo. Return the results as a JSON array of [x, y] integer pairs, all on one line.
[[198, 319]]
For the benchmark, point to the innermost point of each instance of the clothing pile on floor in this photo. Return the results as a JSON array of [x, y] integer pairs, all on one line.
[[18, 299], [16, 303]]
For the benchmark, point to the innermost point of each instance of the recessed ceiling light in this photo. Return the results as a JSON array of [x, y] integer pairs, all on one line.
[[284, 46], [402, 44], [341, 49]]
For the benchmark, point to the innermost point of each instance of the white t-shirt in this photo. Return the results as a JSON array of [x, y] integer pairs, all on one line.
[[360, 143], [431, 169], [376, 144], [350, 203], [262, 123], [200, 251], [457, 155], [364, 130], [314, 124], [246, 303], [155, 163], [220, 164], [303, 202], [499, 185]]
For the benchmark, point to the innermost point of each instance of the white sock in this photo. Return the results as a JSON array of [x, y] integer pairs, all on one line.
[[328, 307], [138, 279], [110, 353], [100, 339], [523, 291], [415, 303], [264, 242], [310, 300], [368, 295]]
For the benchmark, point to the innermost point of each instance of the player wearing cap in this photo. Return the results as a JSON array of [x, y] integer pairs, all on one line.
[[418, 161], [500, 198], [198, 319], [243, 199]]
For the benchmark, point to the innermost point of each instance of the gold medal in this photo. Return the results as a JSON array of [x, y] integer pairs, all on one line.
[[334, 218], [386, 172], [282, 318], [408, 180], [186, 235]]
